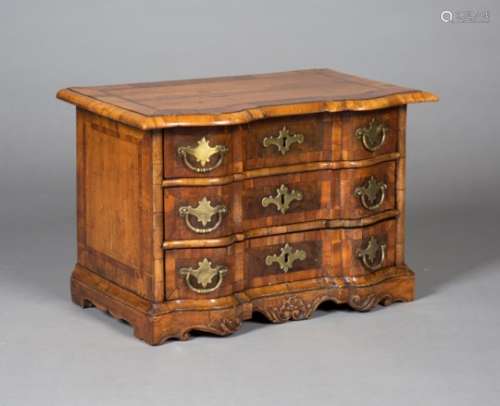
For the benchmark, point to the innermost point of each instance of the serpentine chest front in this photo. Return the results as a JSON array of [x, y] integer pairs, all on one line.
[[203, 201]]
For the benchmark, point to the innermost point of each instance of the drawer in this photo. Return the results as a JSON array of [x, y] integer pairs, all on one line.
[[286, 199], [287, 141], [369, 190], [199, 152], [217, 211], [319, 195], [204, 273], [207, 273], [201, 212], [368, 249], [292, 257], [203, 152], [313, 254], [368, 134]]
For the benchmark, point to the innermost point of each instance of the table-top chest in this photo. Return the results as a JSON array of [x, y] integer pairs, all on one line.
[[203, 201]]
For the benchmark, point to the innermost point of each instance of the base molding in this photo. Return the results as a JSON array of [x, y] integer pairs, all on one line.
[[157, 322]]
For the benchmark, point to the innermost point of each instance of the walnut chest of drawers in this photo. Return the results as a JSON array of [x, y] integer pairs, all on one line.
[[201, 202]]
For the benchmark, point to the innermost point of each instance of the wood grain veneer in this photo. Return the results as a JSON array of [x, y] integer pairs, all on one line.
[[203, 201], [239, 99]]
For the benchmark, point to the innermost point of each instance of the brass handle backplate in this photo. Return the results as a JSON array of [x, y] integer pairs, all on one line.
[[373, 135], [203, 213], [373, 255], [371, 193], [202, 153], [286, 258], [204, 275], [284, 140], [283, 199]]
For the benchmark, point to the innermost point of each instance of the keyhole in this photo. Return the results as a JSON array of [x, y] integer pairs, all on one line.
[[284, 142], [282, 199], [286, 258]]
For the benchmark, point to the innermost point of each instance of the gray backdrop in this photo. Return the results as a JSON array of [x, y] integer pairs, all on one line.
[[441, 349]]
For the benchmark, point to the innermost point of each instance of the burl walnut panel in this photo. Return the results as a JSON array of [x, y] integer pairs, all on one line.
[[202, 202], [309, 140]]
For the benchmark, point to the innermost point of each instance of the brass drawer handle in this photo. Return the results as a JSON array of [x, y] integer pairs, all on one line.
[[284, 140], [202, 153], [204, 275], [373, 135], [373, 255], [372, 193], [286, 258], [203, 213], [283, 199]]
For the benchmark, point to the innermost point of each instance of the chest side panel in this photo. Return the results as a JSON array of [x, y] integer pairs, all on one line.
[[115, 214]]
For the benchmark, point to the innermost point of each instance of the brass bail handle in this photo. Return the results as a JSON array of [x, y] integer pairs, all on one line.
[[202, 153], [371, 193], [203, 213], [373, 255], [204, 275], [373, 135]]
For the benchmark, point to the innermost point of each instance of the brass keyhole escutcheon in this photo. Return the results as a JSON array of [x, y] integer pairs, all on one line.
[[283, 199], [284, 140], [286, 258]]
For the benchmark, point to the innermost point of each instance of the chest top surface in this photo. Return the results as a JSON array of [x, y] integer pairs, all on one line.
[[238, 99]]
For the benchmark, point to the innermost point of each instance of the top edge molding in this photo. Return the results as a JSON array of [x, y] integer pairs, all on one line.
[[239, 99]]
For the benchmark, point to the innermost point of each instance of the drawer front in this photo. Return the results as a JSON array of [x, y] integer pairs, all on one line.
[[291, 257], [287, 141], [368, 134], [219, 211], [201, 212], [368, 249], [366, 191], [204, 152], [207, 273], [287, 199], [199, 152], [203, 273], [313, 254]]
